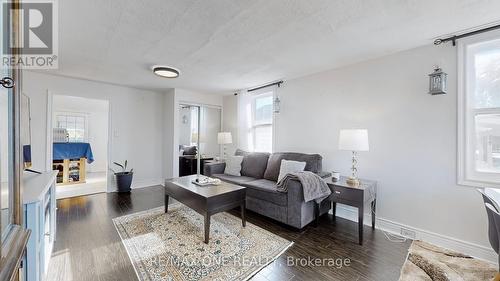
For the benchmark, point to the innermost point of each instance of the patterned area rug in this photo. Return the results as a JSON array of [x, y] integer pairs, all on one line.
[[426, 262], [170, 246]]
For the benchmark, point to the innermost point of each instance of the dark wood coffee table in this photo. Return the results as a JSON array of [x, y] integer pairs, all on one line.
[[206, 200]]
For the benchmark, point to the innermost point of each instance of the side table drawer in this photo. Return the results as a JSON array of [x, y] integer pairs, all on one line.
[[340, 193]]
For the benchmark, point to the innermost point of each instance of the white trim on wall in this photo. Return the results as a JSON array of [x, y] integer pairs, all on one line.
[[50, 100], [447, 242], [142, 184]]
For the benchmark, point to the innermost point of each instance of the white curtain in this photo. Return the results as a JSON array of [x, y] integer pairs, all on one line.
[[245, 138]]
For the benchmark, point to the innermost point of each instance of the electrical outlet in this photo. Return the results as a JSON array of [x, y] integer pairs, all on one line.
[[408, 233]]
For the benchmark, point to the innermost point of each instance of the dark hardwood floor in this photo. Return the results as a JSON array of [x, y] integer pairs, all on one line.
[[89, 248]]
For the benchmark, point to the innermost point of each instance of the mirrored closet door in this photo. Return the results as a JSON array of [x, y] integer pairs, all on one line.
[[199, 126]]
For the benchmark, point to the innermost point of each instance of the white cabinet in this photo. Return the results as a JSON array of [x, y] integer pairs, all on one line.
[[39, 198]]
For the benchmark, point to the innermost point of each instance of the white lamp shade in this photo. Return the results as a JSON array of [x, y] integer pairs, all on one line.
[[354, 140], [224, 138]]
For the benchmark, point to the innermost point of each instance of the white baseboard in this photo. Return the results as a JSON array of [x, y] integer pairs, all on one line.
[[143, 183], [146, 183], [79, 189], [471, 249]]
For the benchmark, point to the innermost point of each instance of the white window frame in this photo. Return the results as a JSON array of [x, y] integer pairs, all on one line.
[[466, 174], [266, 92], [75, 114]]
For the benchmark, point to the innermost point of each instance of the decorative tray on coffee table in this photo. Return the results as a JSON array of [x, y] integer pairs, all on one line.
[[206, 181]]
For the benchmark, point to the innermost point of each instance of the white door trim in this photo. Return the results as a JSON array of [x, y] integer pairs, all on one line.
[[50, 97]]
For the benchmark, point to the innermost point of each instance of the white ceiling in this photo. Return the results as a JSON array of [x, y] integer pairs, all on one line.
[[222, 45]]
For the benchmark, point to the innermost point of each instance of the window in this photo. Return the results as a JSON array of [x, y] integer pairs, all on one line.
[[255, 119], [479, 111], [263, 122], [75, 124]]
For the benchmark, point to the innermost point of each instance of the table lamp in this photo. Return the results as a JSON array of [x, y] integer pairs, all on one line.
[[224, 138], [354, 140]]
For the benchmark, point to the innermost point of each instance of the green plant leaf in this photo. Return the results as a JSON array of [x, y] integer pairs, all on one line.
[[120, 165]]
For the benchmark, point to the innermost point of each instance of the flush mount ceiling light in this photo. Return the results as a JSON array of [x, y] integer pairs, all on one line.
[[166, 71]]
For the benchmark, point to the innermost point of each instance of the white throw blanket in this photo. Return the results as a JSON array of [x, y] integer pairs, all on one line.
[[314, 187]]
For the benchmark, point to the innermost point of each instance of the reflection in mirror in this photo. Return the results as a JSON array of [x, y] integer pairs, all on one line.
[[188, 129], [210, 127], [209, 119]]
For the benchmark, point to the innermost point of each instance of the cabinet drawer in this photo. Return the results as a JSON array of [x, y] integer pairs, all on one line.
[[340, 193]]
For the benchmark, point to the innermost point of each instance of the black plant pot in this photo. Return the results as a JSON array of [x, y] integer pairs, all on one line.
[[124, 181]]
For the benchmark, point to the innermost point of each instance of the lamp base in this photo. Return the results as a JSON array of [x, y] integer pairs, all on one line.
[[352, 181]]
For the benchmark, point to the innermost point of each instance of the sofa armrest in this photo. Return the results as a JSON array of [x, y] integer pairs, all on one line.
[[299, 212], [210, 169], [324, 175]]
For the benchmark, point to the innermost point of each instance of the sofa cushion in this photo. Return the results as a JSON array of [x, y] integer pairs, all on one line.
[[233, 165], [313, 163], [265, 190], [233, 179], [254, 163]]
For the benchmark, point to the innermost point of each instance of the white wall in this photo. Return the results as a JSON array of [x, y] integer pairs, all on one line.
[[210, 127], [413, 140], [136, 123], [170, 117], [143, 126], [96, 112], [98, 138], [230, 121], [188, 96]]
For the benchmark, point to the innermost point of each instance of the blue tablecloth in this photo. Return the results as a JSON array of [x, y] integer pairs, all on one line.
[[72, 150]]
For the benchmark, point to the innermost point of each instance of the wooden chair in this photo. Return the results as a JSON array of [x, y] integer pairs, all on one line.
[[488, 199], [493, 230]]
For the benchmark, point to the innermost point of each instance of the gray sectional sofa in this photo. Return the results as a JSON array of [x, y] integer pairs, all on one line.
[[259, 173]]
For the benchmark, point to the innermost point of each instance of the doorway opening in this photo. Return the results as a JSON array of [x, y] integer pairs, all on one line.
[[80, 145]]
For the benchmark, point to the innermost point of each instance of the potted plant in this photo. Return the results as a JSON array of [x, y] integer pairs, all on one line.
[[123, 178]]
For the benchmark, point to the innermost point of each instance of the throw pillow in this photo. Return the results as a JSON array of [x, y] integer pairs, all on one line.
[[233, 166], [254, 163], [288, 166]]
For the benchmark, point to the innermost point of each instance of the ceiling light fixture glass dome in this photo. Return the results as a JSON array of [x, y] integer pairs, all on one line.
[[166, 71]]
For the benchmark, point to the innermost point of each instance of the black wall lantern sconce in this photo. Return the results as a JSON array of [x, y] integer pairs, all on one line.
[[437, 82]]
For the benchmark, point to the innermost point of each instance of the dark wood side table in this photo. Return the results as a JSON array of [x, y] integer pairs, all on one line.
[[356, 196]]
